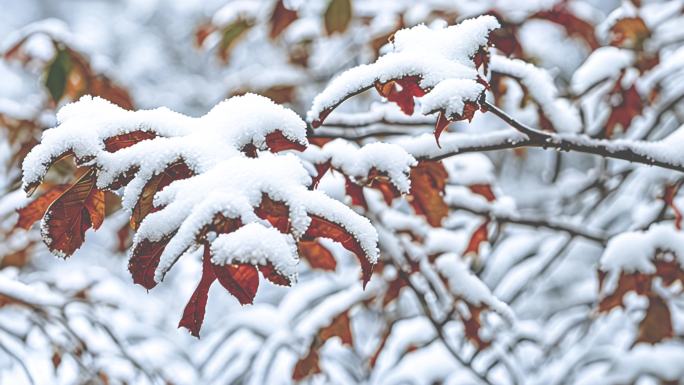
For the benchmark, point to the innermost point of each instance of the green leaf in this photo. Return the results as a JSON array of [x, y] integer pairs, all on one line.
[[231, 34], [57, 74], [337, 16]]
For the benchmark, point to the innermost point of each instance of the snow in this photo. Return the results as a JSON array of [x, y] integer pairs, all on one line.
[[451, 95], [596, 68], [257, 245], [27, 294], [236, 10], [188, 207], [434, 55], [390, 159], [662, 361], [540, 85], [465, 285], [201, 142], [635, 251], [38, 37], [470, 169]]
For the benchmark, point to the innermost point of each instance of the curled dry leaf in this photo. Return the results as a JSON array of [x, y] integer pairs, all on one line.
[[321, 227], [241, 281]]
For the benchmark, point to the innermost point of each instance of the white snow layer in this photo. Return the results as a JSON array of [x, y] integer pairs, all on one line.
[[540, 85], [390, 159], [434, 55], [635, 251], [465, 285]]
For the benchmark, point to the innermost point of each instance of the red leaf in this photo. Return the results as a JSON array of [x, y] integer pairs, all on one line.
[[281, 18], [79, 208], [401, 91], [241, 281], [321, 227], [277, 142], [481, 58], [560, 14], [321, 169], [193, 315], [35, 210], [440, 126], [428, 180], [670, 193], [637, 282], [657, 323], [177, 170], [355, 192], [381, 182], [317, 255], [306, 366], [118, 142], [124, 236], [144, 261], [271, 274], [478, 237], [484, 190], [321, 117], [276, 212], [203, 32], [472, 327], [393, 290], [339, 327], [628, 107]]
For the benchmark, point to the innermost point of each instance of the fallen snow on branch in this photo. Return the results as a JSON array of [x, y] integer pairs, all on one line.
[[635, 251], [389, 159], [433, 55], [539, 83], [465, 285]]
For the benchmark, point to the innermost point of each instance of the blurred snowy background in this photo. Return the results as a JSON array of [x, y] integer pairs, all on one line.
[[82, 321]]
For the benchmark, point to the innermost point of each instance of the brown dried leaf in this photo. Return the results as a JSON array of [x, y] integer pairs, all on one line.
[[317, 255], [657, 324], [79, 208], [35, 210], [428, 180], [281, 18]]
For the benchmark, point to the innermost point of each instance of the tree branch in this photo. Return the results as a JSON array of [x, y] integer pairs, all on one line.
[[575, 230]]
